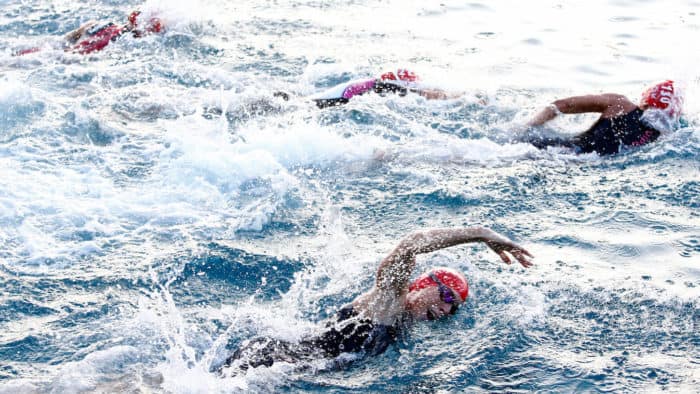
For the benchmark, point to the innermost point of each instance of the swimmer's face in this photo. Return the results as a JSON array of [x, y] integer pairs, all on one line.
[[432, 303]]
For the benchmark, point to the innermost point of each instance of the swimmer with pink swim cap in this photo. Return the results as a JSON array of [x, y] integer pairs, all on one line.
[[93, 36], [622, 123], [400, 82], [373, 321]]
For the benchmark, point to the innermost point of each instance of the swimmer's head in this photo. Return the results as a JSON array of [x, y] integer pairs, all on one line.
[[401, 75], [662, 105], [153, 25], [664, 96], [437, 294]]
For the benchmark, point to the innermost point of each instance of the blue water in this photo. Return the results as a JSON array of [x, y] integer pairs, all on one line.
[[158, 206]]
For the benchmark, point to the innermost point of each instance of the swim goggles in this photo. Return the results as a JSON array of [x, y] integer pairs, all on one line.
[[446, 294]]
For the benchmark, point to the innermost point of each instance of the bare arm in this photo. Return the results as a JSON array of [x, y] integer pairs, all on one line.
[[73, 36], [437, 94], [608, 105], [395, 270]]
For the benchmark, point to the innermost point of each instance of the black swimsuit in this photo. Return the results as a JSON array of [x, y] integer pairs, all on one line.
[[346, 334], [607, 135]]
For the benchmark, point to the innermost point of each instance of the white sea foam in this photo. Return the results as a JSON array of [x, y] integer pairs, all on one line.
[[195, 150], [88, 373], [19, 386]]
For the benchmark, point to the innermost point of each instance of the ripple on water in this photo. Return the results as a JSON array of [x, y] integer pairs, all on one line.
[[623, 19], [485, 35], [225, 274], [532, 41], [215, 235], [689, 246]]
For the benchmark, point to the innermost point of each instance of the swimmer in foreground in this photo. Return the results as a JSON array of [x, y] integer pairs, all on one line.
[[374, 320], [93, 36], [622, 123], [401, 82]]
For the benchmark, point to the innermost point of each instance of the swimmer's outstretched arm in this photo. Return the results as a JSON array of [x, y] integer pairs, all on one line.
[[73, 36], [395, 270], [608, 105], [437, 94]]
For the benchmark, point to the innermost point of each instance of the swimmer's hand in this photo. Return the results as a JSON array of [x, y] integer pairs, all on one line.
[[501, 245], [75, 35], [283, 95]]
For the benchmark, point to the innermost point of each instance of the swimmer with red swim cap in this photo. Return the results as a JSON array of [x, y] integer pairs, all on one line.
[[93, 36], [622, 123], [436, 293], [373, 321]]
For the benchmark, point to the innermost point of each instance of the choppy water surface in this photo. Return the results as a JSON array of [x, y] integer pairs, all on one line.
[[158, 206]]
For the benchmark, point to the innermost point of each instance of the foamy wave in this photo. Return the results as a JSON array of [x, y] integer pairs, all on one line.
[[90, 372], [17, 103]]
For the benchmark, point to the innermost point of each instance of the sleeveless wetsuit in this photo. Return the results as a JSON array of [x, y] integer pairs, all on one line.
[[607, 135], [347, 333]]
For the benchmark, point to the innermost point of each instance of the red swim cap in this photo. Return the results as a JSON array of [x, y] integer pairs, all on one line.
[[154, 25], [663, 96], [132, 17], [401, 74], [451, 278]]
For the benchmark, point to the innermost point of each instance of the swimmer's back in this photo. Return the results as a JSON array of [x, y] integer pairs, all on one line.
[[608, 135], [347, 333]]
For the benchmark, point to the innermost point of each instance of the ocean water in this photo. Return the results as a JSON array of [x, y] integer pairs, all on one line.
[[158, 206]]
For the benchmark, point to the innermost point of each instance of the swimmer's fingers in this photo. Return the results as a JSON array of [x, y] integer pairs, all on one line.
[[500, 248], [520, 254], [283, 95], [504, 257], [523, 257]]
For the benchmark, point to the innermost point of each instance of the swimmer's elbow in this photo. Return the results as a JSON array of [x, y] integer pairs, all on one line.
[[420, 241], [410, 244]]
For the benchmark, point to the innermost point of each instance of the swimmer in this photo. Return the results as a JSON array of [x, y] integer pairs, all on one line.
[[401, 82], [374, 320], [622, 123], [93, 36]]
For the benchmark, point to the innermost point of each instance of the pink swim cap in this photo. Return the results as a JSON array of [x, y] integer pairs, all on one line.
[[663, 96], [451, 278]]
